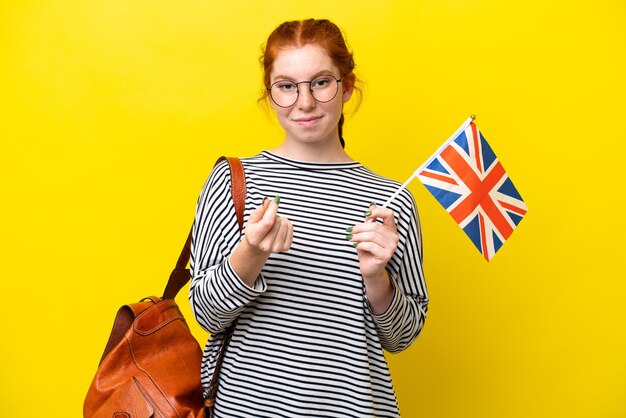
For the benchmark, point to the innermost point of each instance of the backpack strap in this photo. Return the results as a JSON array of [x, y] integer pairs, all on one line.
[[181, 275]]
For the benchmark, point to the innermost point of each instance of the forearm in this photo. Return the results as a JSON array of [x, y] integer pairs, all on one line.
[[401, 323], [218, 295]]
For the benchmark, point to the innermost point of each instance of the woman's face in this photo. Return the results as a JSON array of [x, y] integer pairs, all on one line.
[[308, 120]]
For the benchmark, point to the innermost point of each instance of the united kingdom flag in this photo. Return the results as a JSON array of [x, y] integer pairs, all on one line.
[[466, 177]]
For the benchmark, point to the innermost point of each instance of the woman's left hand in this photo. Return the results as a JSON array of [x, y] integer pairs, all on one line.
[[375, 243]]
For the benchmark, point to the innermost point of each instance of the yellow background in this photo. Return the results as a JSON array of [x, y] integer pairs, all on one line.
[[113, 112]]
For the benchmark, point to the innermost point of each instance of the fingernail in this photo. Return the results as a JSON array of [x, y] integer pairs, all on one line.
[[372, 204], [355, 244], [349, 237], [368, 213], [349, 229], [277, 199]]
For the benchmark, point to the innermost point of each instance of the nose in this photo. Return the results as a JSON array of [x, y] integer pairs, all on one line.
[[305, 99]]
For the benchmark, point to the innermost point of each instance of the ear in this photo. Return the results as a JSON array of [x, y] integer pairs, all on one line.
[[348, 86]]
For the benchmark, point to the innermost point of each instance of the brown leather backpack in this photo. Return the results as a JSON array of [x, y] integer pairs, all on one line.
[[151, 363]]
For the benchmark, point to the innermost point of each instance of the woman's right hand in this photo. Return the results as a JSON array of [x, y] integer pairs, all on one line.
[[266, 231]]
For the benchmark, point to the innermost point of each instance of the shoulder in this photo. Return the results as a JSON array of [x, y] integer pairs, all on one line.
[[219, 178], [220, 174], [255, 162]]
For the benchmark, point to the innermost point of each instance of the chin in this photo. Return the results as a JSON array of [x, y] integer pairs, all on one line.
[[310, 139]]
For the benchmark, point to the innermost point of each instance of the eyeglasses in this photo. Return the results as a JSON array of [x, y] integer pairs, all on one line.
[[285, 93]]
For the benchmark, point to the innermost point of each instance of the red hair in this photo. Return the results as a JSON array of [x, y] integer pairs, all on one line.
[[298, 33]]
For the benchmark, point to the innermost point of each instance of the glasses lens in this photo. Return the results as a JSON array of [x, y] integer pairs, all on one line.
[[324, 88], [284, 93]]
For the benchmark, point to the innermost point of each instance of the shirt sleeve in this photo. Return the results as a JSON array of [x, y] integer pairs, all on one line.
[[217, 294], [403, 320]]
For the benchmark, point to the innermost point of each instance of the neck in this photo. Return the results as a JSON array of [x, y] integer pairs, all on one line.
[[318, 152]]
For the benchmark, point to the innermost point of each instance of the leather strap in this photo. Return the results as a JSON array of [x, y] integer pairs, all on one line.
[[238, 186], [209, 400], [181, 275]]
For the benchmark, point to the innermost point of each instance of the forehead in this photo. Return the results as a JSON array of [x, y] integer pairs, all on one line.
[[302, 63]]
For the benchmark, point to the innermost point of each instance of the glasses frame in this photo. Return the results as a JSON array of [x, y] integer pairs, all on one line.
[[338, 80]]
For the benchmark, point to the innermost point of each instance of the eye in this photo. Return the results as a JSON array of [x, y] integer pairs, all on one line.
[[285, 86], [321, 82]]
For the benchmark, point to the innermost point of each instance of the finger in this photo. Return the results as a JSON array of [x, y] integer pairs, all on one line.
[[383, 239], [386, 214], [258, 213], [383, 254], [267, 222], [368, 213], [267, 242], [289, 239], [373, 227], [282, 235], [272, 208]]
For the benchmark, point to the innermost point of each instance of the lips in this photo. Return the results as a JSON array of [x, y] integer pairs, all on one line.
[[308, 120]]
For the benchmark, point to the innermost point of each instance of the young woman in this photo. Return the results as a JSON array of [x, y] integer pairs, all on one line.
[[322, 279]]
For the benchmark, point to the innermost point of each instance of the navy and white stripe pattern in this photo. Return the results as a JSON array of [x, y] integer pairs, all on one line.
[[306, 343]]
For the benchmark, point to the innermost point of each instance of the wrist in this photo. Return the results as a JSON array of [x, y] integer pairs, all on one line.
[[378, 278], [379, 291], [248, 261]]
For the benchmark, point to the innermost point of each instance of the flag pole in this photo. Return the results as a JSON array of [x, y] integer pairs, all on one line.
[[416, 172]]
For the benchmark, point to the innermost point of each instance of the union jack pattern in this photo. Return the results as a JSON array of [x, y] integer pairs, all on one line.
[[467, 178]]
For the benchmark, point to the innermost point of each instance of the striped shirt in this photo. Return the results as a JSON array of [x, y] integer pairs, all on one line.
[[306, 343]]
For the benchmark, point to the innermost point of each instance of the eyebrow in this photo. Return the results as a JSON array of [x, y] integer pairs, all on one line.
[[315, 75]]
